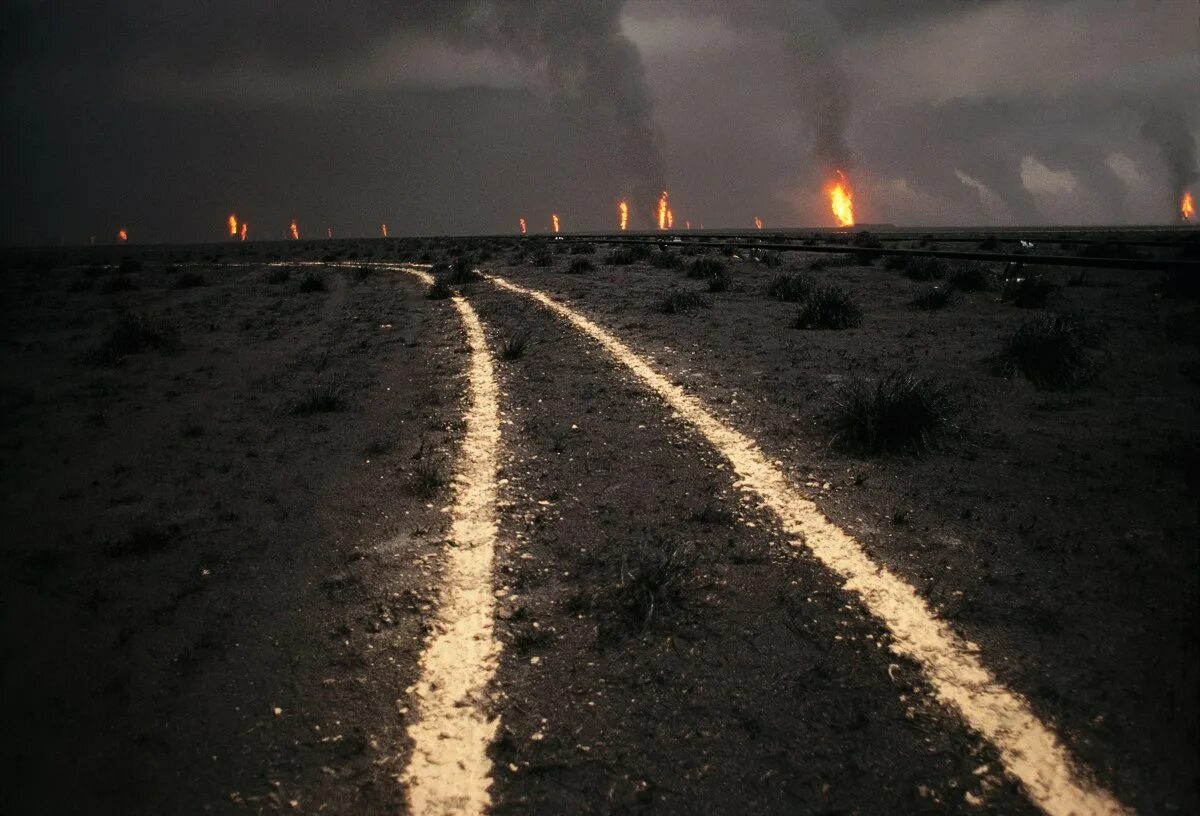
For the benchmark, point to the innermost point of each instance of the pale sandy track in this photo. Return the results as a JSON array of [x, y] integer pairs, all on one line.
[[449, 770], [1030, 750]]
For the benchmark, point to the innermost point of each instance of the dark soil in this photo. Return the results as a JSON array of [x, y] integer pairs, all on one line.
[[1056, 529], [215, 582], [222, 546]]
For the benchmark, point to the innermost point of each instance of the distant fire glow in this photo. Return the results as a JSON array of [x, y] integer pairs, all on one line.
[[245, 230], [554, 221], [841, 201], [328, 232], [662, 211], [294, 230], [1187, 207], [623, 209], [687, 224], [383, 229], [233, 225], [122, 235], [757, 222], [670, 219], [524, 229]]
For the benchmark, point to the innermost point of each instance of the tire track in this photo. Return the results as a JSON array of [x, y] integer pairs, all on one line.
[[1029, 748], [449, 770]]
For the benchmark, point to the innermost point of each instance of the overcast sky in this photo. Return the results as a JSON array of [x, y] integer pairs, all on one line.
[[461, 116]]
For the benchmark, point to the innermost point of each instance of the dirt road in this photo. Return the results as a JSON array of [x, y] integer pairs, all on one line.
[[541, 548]]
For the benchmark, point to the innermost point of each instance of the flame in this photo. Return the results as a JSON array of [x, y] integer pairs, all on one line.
[[757, 222], [623, 208], [670, 219], [841, 201], [245, 229], [1187, 207], [383, 228], [523, 227], [554, 220], [122, 235], [329, 232], [294, 230], [233, 225], [662, 211], [687, 224]]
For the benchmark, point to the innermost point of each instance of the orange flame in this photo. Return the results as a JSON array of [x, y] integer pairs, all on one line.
[[245, 229], [662, 211], [329, 232], [1187, 207], [233, 224], [670, 219], [294, 230], [523, 227], [122, 235], [757, 222], [623, 208], [554, 220], [383, 228], [687, 224], [841, 201]]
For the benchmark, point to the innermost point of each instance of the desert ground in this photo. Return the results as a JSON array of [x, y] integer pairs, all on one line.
[[238, 480]]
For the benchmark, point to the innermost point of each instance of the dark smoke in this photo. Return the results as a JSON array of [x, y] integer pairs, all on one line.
[[1167, 130], [595, 74]]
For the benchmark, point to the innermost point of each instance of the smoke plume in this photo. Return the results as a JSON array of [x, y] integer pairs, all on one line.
[[1167, 130]]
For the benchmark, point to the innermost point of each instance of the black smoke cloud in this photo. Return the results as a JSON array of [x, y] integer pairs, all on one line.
[[461, 115], [1167, 130]]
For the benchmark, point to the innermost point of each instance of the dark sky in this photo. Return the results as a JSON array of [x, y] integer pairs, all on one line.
[[460, 116]]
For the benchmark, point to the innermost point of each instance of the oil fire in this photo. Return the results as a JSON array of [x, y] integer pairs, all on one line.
[[623, 208], [295, 231], [662, 211], [122, 235], [670, 219], [757, 222], [524, 229], [245, 229], [554, 221], [841, 201], [383, 229], [1187, 207], [233, 225]]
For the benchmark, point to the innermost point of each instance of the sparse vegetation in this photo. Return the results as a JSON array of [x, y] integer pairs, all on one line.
[[901, 411], [829, 307], [920, 268], [462, 271], [278, 274], [1050, 352], [542, 256], [970, 276], [681, 301], [933, 298], [583, 248], [833, 262], [665, 259], [651, 584], [132, 334], [513, 348], [704, 268], [1028, 291], [320, 399], [580, 266], [439, 290], [720, 281], [426, 479], [793, 288]]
